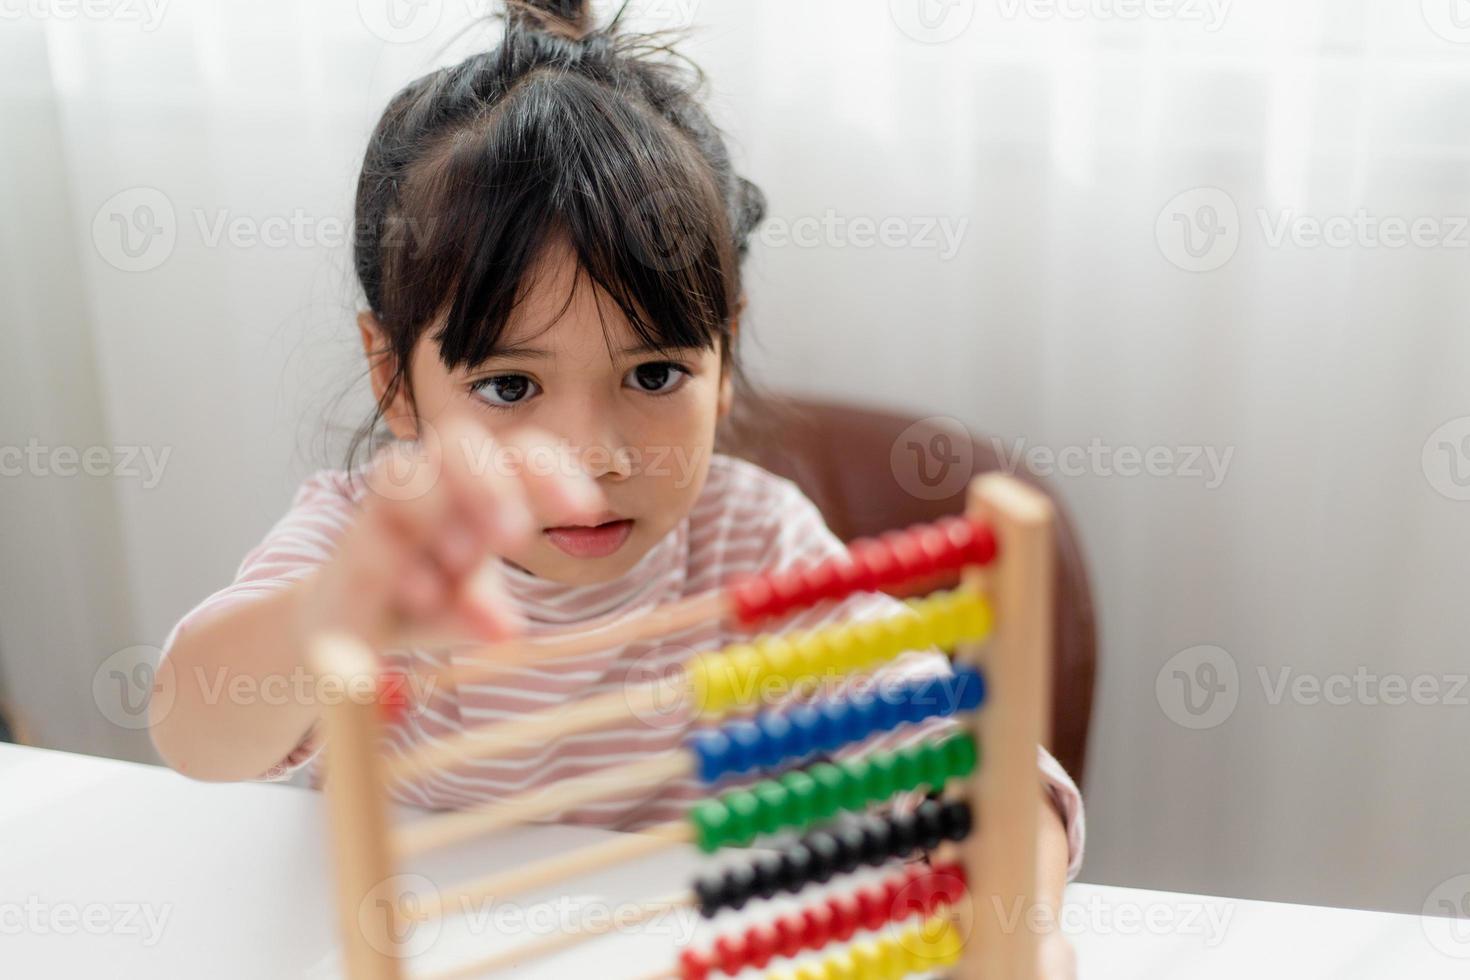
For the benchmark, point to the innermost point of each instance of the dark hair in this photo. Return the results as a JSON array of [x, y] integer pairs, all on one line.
[[561, 130]]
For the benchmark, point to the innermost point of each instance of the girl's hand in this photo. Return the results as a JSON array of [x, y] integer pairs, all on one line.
[[420, 559], [1056, 959]]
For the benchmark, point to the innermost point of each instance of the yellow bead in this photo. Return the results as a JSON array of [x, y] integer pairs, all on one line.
[[779, 658], [811, 971], [813, 656], [975, 618], [706, 685], [838, 967], [845, 651], [911, 631], [867, 961], [946, 623], [947, 944], [869, 641], [892, 961]]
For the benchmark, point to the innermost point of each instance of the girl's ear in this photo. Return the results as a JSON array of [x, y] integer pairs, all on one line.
[[399, 413]]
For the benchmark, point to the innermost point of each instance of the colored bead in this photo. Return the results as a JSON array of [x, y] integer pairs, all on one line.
[[905, 834], [730, 954], [709, 893], [830, 783], [876, 841], [775, 803], [867, 961], [969, 687], [761, 941], [872, 910], [849, 847], [790, 934], [739, 885], [845, 914], [825, 854], [933, 765], [744, 809], [803, 790], [957, 820], [711, 821], [880, 775], [767, 875], [961, 755], [745, 745], [752, 599], [804, 721], [775, 731], [939, 555], [779, 658], [818, 922], [929, 826], [712, 754], [798, 866], [693, 965], [982, 545], [873, 563], [889, 699], [905, 770]]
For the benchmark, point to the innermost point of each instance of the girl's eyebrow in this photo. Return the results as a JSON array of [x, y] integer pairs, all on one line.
[[524, 353]]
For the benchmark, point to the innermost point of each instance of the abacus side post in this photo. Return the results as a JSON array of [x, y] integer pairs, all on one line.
[[346, 674], [1001, 856]]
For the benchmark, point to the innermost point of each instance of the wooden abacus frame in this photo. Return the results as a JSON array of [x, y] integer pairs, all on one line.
[[999, 862]]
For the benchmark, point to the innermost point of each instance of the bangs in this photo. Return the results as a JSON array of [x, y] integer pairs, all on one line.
[[560, 156]]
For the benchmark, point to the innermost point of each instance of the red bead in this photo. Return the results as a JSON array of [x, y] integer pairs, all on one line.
[[848, 575], [907, 554], [731, 954], [693, 965], [872, 907], [790, 934], [983, 547], [760, 945], [877, 564], [949, 884], [818, 926], [821, 582], [789, 590], [845, 915], [936, 548], [752, 599]]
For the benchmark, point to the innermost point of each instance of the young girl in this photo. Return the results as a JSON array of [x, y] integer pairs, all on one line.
[[551, 236]]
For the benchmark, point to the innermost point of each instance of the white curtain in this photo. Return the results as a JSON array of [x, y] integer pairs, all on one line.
[[1151, 243]]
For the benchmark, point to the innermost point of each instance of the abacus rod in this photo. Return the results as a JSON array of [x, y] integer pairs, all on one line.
[[551, 870], [440, 831], [548, 945], [502, 738]]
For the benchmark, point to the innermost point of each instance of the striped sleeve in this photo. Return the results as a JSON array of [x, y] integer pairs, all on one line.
[[302, 540], [801, 536]]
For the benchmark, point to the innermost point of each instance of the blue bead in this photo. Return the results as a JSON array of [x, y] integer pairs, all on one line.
[[745, 745], [805, 721], [712, 749], [865, 715], [890, 707], [932, 696], [834, 720], [775, 739], [851, 726], [971, 688]]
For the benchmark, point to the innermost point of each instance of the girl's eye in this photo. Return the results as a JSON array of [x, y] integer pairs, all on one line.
[[505, 390], [658, 377]]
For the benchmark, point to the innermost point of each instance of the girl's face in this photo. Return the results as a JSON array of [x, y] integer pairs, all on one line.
[[640, 422]]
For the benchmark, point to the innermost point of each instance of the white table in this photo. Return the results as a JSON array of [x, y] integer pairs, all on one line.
[[116, 870]]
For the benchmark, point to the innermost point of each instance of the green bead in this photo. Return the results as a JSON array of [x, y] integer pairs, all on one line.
[[905, 770], [855, 774], [829, 784], [881, 776], [933, 765], [803, 791], [962, 754], [711, 820], [744, 809], [775, 803]]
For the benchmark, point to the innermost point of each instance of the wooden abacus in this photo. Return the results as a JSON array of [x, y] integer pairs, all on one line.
[[968, 898]]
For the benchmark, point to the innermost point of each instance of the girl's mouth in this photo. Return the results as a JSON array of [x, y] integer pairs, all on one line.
[[597, 541]]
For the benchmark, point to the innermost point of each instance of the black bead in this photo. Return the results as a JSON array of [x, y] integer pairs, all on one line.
[[825, 852], [877, 841], [905, 833], [767, 875], [796, 868], [930, 828], [739, 885], [710, 891], [957, 820], [850, 839]]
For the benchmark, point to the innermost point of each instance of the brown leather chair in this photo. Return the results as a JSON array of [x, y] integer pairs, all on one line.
[[870, 471]]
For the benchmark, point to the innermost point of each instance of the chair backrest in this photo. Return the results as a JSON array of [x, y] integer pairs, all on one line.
[[870, 471]]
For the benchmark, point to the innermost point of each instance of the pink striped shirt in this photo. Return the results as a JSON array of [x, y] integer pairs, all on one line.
[[745, 520]]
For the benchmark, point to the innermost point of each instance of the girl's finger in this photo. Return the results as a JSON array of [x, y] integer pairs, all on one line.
[[493, 500], [554, 477]]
